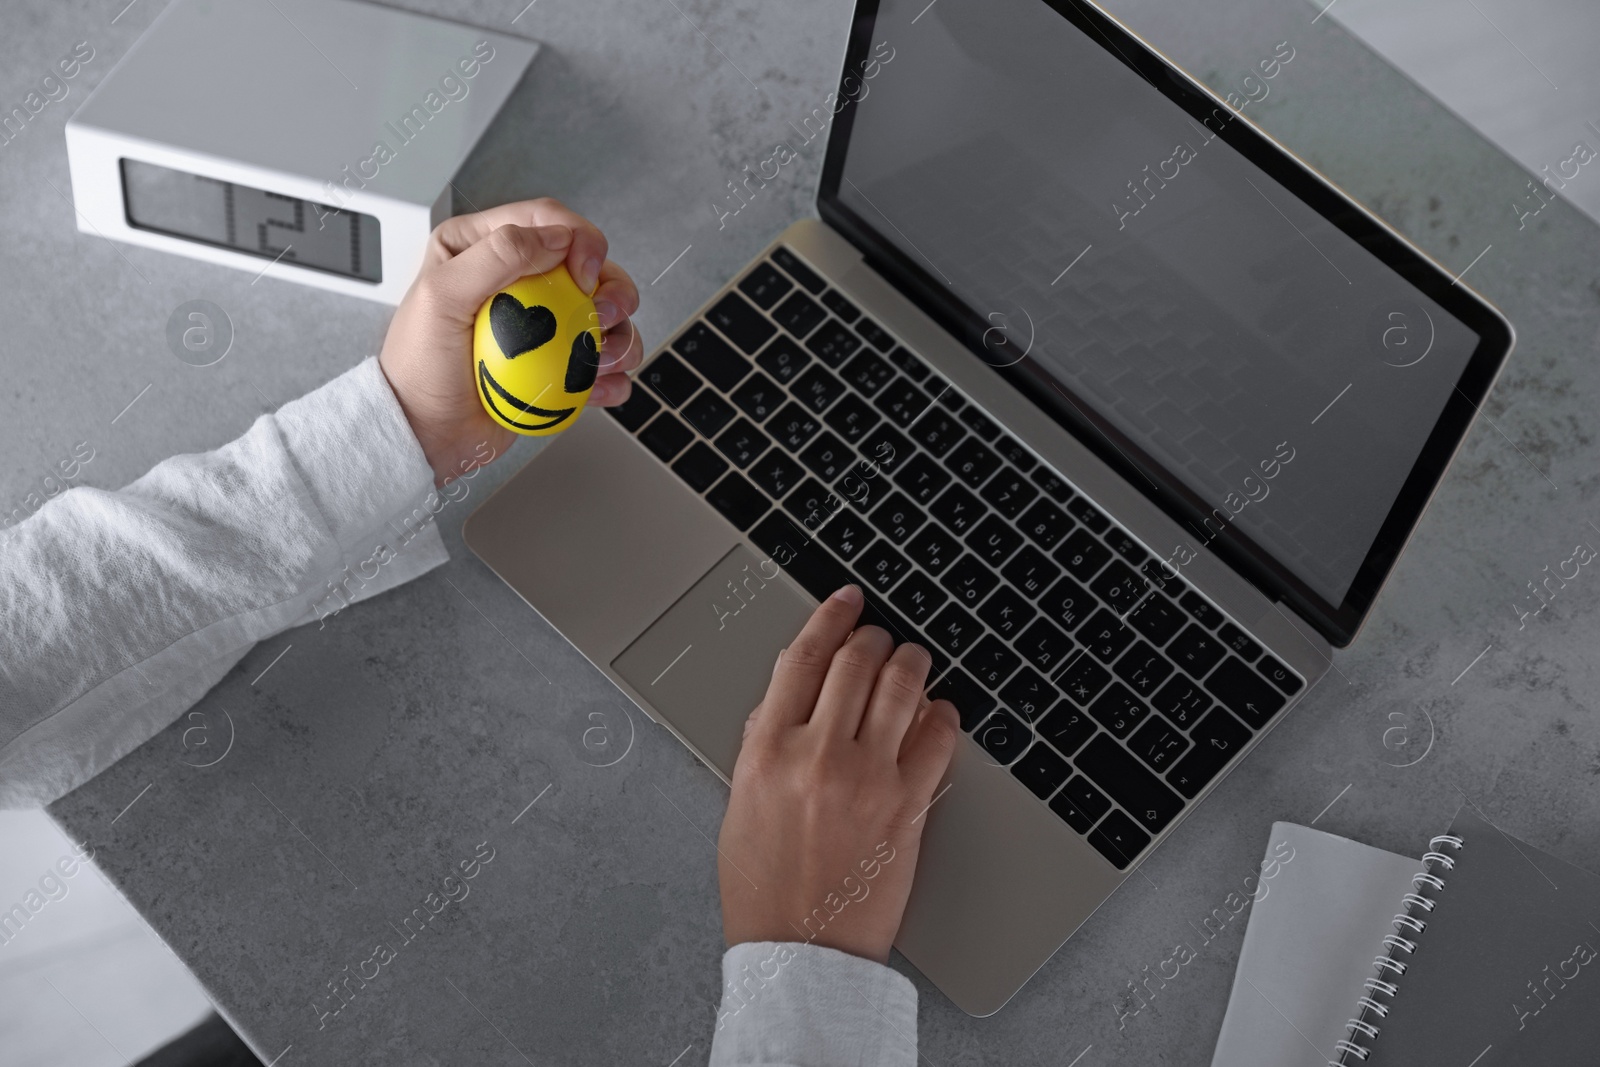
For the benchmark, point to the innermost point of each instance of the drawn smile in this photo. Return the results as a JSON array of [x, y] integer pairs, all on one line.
[[498, 399]]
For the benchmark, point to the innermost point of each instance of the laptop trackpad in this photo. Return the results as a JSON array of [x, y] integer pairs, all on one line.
[[706, 662]]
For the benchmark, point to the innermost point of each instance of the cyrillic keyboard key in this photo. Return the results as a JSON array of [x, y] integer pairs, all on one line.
[[1105, 636], [759, 397], [1066, 727], [918, 597], [1118, 710], [958, 509], [993, 540], [1143, 668], [1082, 680], [783, 359], [1044, 646], [1158, 743], [832, 343], [1217, 739], [969, 581], [922, 477], [776, 473], [953, 629], [847, 534], [934, 548], [1028, 694], [742, 443], [881, 566], [1006, 612], [1181, 701], [897, 518]]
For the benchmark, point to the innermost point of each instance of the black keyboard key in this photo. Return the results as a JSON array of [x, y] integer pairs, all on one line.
[[1082, 555], [937, 431], [991, 662], [1160, 574], [1119, 586], [765, 285], [1123, 544], [1066, 728], [700, 466], [1028, 694], [1041, 770], [1009, 492], [1143, 668], [1070, 804], [636, 410], [712, 356], [832, 343], [740, 502], [922, 478], [835, 302], [1053, 487], [741, 323], [1157, 618], [1088, 514], [792, 427], [1245, 693], [1031, 572], [944, 395], [816, 389], [847, 534], [954, 630], [1044, 646], [909, 365], [867, 373], [708, 413], [902, 402], [897, 518], [669, 379], [1015, 454], [1082, 680], [863, 485], [980, 424], [969, 581], [742, 443], [1045, 524], [799, 314], [1279, 675], [1126, 781], [972, 701], [852, 418], [783, 359], [1181, 701], [1006, 612], [888, 449], [759, 397], [808, 563], [934, 548], [1159, 744], [958, 509], [777, 474], [918, 597], [813, 504], [828, 457], [1200, 611], [798, 270], [1217, 739], [1239, 642], [1119, 839], [1118, 709], [993, 540], [1003, 736], [875, 335], [666, 436], [1195, 651], [1105, 635], [881, 567], [1068, 603], [972, 462]]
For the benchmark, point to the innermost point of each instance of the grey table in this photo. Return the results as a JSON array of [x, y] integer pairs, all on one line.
[[370, 756]]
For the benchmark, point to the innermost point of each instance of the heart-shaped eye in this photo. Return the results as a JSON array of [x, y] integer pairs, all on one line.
[[519, 329], [583, 364]]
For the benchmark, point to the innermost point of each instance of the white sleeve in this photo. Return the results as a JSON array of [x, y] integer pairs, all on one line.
[[118, 610], [790, 1004]]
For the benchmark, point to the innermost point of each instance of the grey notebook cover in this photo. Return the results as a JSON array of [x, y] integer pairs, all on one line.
[[1506, 971], [1311, 938]]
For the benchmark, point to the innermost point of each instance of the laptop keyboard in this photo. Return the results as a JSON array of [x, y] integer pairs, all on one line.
[[1109, 687]]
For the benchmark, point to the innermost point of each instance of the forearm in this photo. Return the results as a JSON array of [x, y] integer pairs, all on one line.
[[119, 609], [789, 1003]]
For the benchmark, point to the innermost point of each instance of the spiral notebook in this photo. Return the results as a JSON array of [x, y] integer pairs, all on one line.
[[1491, 960]]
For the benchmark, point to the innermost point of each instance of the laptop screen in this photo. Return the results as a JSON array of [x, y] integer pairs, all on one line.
[[1157, 286]]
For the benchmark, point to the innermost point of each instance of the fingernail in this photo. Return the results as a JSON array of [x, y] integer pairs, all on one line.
[[589, 275], [609, 313], [555, 237], [850, 595]]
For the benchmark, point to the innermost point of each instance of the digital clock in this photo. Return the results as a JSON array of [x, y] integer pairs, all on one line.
[[303, 140]]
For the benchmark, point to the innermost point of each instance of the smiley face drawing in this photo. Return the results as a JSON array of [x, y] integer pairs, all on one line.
[[536, 350]]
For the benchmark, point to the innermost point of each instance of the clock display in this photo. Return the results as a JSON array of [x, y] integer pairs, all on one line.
[[253, 221]]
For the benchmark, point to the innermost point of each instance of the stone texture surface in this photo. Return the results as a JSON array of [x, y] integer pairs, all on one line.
[[382, 749]]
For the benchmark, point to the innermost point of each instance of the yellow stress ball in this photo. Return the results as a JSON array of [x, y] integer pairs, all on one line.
[[536, 347]]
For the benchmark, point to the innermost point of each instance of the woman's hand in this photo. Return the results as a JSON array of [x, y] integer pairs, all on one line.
[[839, 765], [427, 355]]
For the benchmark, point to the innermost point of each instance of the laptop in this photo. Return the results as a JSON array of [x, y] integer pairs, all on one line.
[[1099, 394]]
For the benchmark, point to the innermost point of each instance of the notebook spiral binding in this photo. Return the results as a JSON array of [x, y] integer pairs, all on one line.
[[1379, 990]]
